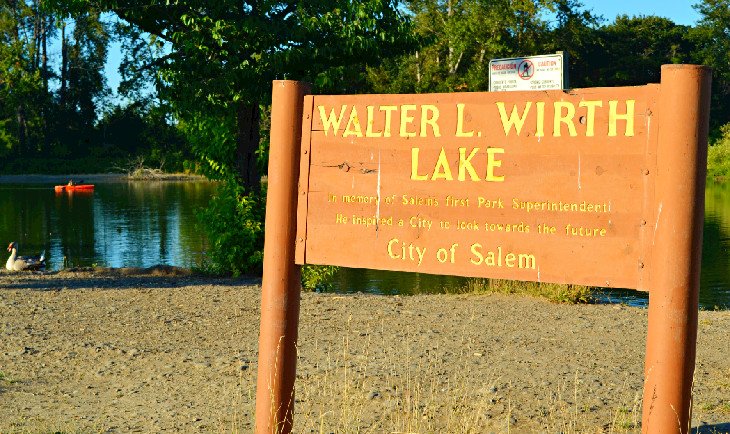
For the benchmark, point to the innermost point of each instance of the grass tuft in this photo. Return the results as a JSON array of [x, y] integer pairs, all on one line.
[[557, 293]]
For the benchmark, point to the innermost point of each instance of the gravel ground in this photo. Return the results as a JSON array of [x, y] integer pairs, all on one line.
[[118, 351]]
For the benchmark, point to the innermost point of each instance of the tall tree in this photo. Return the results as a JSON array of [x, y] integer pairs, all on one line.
[[458, 38], [712, 36], [214, 60], [20, 80], [631, 50], [223, 55], [83, 82]]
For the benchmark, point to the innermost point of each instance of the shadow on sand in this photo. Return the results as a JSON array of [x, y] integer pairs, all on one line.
[[122, 278]]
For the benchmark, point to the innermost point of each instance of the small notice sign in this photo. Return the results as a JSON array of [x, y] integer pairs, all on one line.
[[546, 186], [544, 72]]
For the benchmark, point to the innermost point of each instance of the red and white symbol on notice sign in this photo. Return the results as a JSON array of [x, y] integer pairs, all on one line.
[[526, 69]]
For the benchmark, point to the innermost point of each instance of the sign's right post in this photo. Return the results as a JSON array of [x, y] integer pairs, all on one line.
[[677, 245]]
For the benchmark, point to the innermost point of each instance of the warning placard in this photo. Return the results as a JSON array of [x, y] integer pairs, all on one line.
[[544, 72]]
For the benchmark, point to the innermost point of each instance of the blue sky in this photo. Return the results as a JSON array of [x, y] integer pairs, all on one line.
[[679, 11]]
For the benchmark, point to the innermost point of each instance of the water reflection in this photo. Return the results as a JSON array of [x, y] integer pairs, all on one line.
[[137, 224], [715, 281]]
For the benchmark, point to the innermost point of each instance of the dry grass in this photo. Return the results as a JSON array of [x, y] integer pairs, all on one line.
[[344, 395]]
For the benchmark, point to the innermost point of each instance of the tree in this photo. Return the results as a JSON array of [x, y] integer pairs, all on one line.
[[213, 62], [458, 38], [631, 50], [231, 51], [577, 34], [83, 88], [712, 36], [21, 82], [33, 120]]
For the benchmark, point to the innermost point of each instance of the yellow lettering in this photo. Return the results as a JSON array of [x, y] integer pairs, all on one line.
[[490, 259], [429, 120], [331, 121], [492, 163], [613, 116], [414, 166], [540, 127], [476, 251], [405, 120], [391, 253], [460, 122], [465, 165], [566, 119], [526, 261], [509, 260], [388, 109], [442, 169], [371, 120], [514, 119], [353, 125], [590, 115]]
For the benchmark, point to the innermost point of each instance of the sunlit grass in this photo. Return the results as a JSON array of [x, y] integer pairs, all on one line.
[[558, 293]]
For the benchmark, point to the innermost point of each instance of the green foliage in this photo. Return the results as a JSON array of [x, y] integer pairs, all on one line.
[[631, 50], [557, 293], [457, 40], [233, 222], [144, 132], [213, 62], [21, 84], [713, 49], [718, 157], [318, 277], [212, 140], [60, 166]]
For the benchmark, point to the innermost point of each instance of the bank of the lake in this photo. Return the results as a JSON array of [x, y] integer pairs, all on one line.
[[93, 178], [118, 352]]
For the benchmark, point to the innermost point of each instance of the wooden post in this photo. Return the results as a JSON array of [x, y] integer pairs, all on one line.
[[675, 270], [281, 285]]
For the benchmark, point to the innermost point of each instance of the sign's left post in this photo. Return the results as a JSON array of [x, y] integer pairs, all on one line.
[[281, 286]]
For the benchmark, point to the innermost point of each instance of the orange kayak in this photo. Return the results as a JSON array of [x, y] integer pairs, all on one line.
[[79, 187]]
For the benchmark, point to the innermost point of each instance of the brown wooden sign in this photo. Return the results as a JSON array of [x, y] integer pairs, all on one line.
[[547, 186], [592, 186]]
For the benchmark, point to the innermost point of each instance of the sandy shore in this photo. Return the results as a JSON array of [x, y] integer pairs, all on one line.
[[118, 352]]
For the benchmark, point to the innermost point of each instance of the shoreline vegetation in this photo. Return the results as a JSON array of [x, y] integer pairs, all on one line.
[[552, 292], [100, 178], [718, 157]]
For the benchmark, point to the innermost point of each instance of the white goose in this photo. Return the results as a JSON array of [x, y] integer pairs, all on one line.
[[21, 263]]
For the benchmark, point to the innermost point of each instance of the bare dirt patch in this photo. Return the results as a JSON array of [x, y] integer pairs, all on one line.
[[152, 351]]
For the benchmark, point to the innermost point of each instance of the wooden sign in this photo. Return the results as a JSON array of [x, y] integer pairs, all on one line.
[[548, 186], [599, 187]]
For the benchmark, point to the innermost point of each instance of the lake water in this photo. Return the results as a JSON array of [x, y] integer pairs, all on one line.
[[141, 224], [120, 224]]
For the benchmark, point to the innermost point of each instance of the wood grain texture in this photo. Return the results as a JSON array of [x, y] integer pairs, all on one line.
[[359, 209]]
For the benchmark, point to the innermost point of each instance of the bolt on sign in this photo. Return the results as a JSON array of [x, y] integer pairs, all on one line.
[[503, 185], [545, 72], [600, 187]]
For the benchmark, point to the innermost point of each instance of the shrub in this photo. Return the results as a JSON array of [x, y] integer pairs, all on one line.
[[234, 224], [318, 277], [718, 156]]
